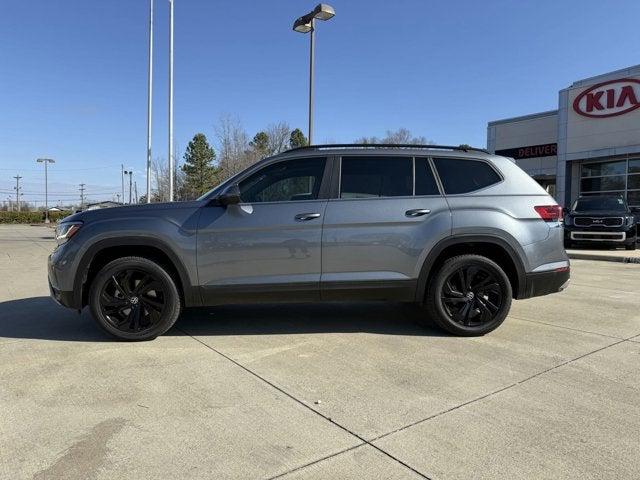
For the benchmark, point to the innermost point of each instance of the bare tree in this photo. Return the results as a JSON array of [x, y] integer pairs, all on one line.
[[279, 134], [233, 146], [160, 178], [400, 136]]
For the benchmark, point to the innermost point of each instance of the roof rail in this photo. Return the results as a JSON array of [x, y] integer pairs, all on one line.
[[461, 148]]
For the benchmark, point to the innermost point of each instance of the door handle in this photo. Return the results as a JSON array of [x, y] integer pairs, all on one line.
[[303, 217], [417, 212]]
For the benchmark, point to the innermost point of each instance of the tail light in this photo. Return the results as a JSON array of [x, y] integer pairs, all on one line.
[[549, 213]]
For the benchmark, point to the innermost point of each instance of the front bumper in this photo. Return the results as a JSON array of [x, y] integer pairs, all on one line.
[[601, 235], [545, 283], [66, 298]]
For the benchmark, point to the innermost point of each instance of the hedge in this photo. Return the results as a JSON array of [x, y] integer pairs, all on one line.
[[30, 217]]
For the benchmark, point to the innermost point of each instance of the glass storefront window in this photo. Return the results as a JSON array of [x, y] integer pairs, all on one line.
[[634, 165], [633, 198], [602, 184], [633, 182], [601, 169]]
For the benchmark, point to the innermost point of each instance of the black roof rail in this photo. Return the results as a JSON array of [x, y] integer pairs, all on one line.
[[461, 148]]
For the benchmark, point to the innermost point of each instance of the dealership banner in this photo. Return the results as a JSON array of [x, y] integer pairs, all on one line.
[[532, 151]]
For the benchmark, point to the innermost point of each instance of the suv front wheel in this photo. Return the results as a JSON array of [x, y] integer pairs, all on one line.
[[470, 295], [133, 298]]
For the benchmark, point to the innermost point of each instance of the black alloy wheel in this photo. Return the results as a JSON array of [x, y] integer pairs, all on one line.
[[134, 298], [469, 295], [472, 296]]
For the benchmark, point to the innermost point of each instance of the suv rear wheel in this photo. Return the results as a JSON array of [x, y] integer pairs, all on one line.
[[133, 298], [470, 295]]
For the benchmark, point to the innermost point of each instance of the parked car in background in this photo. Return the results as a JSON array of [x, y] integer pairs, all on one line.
[[457, 231], [604, 220]]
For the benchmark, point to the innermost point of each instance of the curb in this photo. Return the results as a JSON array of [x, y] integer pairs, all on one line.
[[603, 258]]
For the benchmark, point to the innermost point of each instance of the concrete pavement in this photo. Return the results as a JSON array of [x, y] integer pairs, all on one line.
[[326, 391]]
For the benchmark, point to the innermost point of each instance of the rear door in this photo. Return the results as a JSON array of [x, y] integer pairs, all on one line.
[[386, 215]]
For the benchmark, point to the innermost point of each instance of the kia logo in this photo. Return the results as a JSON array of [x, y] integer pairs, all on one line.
[[597, 220], [608, 99]]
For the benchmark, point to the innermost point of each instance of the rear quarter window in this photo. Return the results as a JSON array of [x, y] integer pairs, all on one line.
[[464, 176]]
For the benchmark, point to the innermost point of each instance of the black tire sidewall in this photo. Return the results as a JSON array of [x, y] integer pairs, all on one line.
[[172, 297], [438, 310]]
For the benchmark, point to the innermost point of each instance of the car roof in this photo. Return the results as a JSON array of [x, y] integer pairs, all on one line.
[[382, 149]]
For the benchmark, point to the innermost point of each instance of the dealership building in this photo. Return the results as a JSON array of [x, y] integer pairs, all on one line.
[[590, 145]]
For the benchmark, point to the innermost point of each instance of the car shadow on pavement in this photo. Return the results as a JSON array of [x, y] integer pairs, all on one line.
[[41, 318]]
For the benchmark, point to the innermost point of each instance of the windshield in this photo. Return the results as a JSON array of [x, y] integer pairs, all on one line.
[[600, 204]]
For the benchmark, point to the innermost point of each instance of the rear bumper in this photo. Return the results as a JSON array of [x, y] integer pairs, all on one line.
[[545, 283]]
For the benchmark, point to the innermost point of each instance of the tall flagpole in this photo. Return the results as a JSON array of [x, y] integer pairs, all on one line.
[[171, 159], [149, 100]]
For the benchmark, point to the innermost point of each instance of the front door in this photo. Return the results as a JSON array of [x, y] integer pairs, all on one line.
[[377, 233], [267, 248]]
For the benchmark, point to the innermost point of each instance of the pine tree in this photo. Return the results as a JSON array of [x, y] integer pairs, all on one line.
[[297, 139], [200, 173], [260, 144]]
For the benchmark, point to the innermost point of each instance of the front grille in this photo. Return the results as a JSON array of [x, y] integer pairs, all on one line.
[[599, 236], [598, 221]]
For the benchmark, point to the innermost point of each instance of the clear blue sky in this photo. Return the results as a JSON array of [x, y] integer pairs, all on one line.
[[73, 73]]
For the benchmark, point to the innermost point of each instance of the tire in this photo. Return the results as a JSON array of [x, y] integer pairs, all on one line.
[[463, 311], [134, 298]]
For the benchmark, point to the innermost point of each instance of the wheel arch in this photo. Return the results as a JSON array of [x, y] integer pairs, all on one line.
[[104, 251], [495, 248]]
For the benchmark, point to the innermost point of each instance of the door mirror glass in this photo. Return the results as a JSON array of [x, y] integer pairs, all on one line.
[[230, 195]]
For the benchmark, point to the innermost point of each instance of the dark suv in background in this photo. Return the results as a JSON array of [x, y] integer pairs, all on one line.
[[603, 220]]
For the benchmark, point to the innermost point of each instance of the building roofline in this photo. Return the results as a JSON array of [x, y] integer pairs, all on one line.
[[522, 118], [628, 71]]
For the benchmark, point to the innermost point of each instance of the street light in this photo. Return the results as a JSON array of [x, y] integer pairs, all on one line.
[[46, 161], [306, 24]]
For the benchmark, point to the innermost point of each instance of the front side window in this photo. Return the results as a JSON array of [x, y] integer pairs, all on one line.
[[287, 181], [371, 177], [464, 176]]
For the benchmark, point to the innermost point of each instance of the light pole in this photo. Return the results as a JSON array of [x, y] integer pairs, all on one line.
[[306, 24], [149, 102], [46, 187], [170, 156]]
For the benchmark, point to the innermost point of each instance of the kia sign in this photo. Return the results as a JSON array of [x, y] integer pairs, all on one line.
[[608, 99]]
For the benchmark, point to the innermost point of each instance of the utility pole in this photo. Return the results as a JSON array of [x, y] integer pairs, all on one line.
[[46, 161], [118, 195], [135, 189], [17, 188], [149, 100], [130, 173], [171, 159], [81, 196], [122, 178]]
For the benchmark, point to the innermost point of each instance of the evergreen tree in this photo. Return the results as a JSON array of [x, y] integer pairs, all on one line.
[[200, 173], [297, 139], [260, 144]]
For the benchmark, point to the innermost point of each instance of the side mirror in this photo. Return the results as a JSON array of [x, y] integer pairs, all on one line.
[[230, 196]]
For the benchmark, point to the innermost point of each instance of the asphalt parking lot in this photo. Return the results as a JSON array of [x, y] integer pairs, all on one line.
[[315, 392]]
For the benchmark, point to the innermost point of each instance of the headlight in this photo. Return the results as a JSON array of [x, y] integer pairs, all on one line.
[[65, 231], [630, 221], [567, 220]]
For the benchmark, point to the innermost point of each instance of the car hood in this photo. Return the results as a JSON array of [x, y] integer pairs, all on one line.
[[130, 210]]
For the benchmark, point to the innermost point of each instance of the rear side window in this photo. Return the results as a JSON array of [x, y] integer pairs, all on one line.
[[464, 176], [425, 182], [368, 177]]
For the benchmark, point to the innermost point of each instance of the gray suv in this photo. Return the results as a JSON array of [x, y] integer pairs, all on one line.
[[457, 231]]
